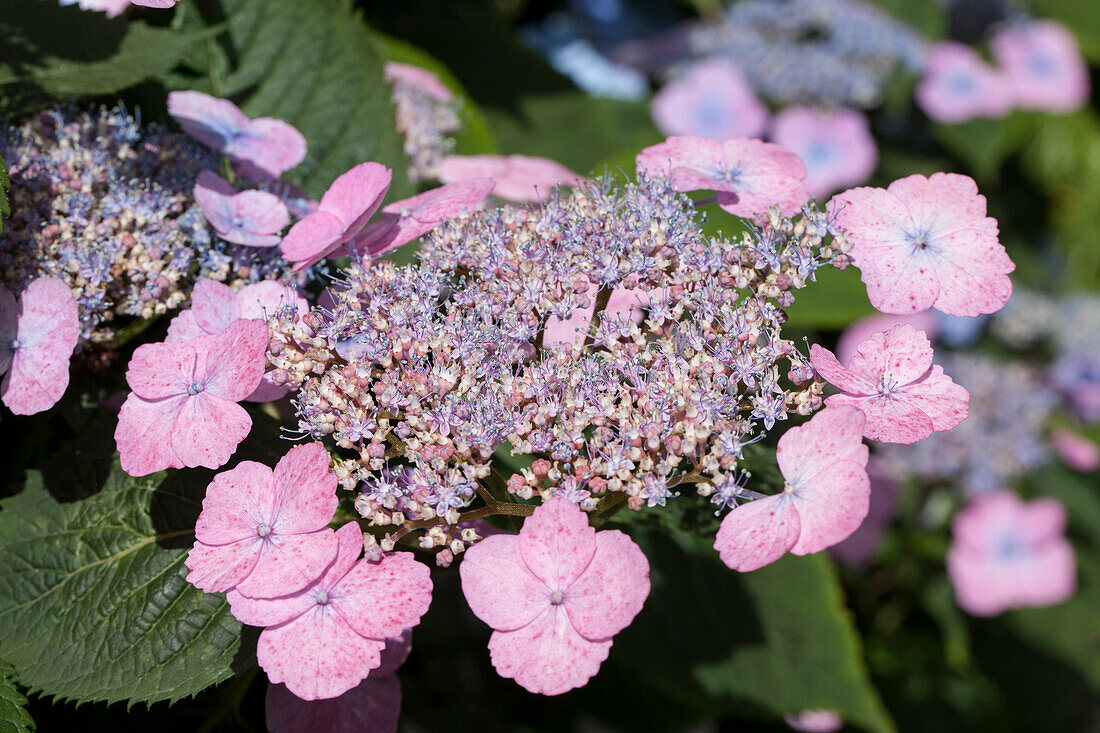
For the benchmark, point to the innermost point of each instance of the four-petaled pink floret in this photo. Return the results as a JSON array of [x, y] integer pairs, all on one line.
[[959, 86], [836, 146], [892, 380], [325, 639], [926, 243], [1043, 65], [251, 218], [266, 532], [825, 498], [555, 595], [713, 100], [1006, 553], [183, 410], [38, 334]]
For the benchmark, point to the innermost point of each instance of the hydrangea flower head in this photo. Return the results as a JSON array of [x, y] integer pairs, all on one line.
[[344, 210], [1006, 553], [1043, 65], [892, 379], [555, 595], [748, 175], [38, 334], [926, 243], [252, 218], [519, 178], [958, 86], [183, 410], [825, 498], [325, 639], [266, 532], [836, 146], [263, 148], [403, 221], [713, 100]]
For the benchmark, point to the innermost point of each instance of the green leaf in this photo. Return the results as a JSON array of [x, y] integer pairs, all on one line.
[[778, 639], [13, 716], [314, 64], [984, 145], [95, 605], [834, 300], [56, 53]]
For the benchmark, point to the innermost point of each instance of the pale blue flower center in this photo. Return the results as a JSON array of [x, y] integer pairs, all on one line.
[[557, 598], [321, 597], [15, 344], [263, 530], [194, 389]]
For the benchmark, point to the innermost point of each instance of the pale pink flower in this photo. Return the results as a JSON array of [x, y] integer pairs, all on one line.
[[959, 86], [815, 721], [1043, 64], [183, 410], [418, 78], [712, 100], [1006, 553], [555, 595], [893, 381], [824, 500], [836, 146], [38, 334], [748, 175], [518, 178], [156, 3], [252, 218], [926, 243], [372, 707], [214, 307], [266, 532], [325, 639], [403, 221], [1077, 451], [861, 330], [112, 8], [263, 148], [344, 210]]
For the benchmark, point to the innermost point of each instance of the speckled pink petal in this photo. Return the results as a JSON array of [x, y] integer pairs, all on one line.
[[903, 354], [211, 121], [268, 391], [831, 505], [213, 194], [183, 328], [938, 397], [218, 568], [861, 330], [258, 218], [237, 501], [261, 300], [831, 435], [418, 78], [610, 592], [547, 656], [837, 375], [691, 163], [312, 239], [974, 281], [306, 489], [208, 430], [382, 599], [355, 195], [231, 363], [889, 420], [317, 655], [757, 533], [214, 306], [498, 585], [267, 148], [162, 370], [48, 328], [374, 706], [394, 655], [144, 434], [455, 168], [529, 179], [289, 562], [557, 543]]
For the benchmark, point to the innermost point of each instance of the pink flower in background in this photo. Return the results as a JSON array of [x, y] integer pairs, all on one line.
[[183, 410], [266, 532], [748, 175], [713, 100], [620, 303], [815, 721], [893, 381], [403, 221], [263, 148], [372, 707], [824, 500], [862, 546], [861, 330], [252, 218], [344, 210], [156, 3], [836, 146], [1077, 451], [1044, 65], [959, 86], [518, 178], [38, 334], [555, 595], [417, 78], [214, 307], [325, 639], [112, 8], [1006, 553], [926, 243]]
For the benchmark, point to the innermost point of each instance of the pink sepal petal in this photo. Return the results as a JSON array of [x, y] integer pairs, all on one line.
[[48, 328], [612, 589], [831, 370], [831, 506], [758, 533], [231, 364], [144, 434], [832, 435], [267, 149], [214, 306], [557, 543], [306, 489], [218, 568], [547, 656], [499, 587], [161, 370], [289, 562], [902, 353], [183, 328], [374, 706], [382, 599], [208, 430], [889, 421], [236, 502], [937, 396]]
